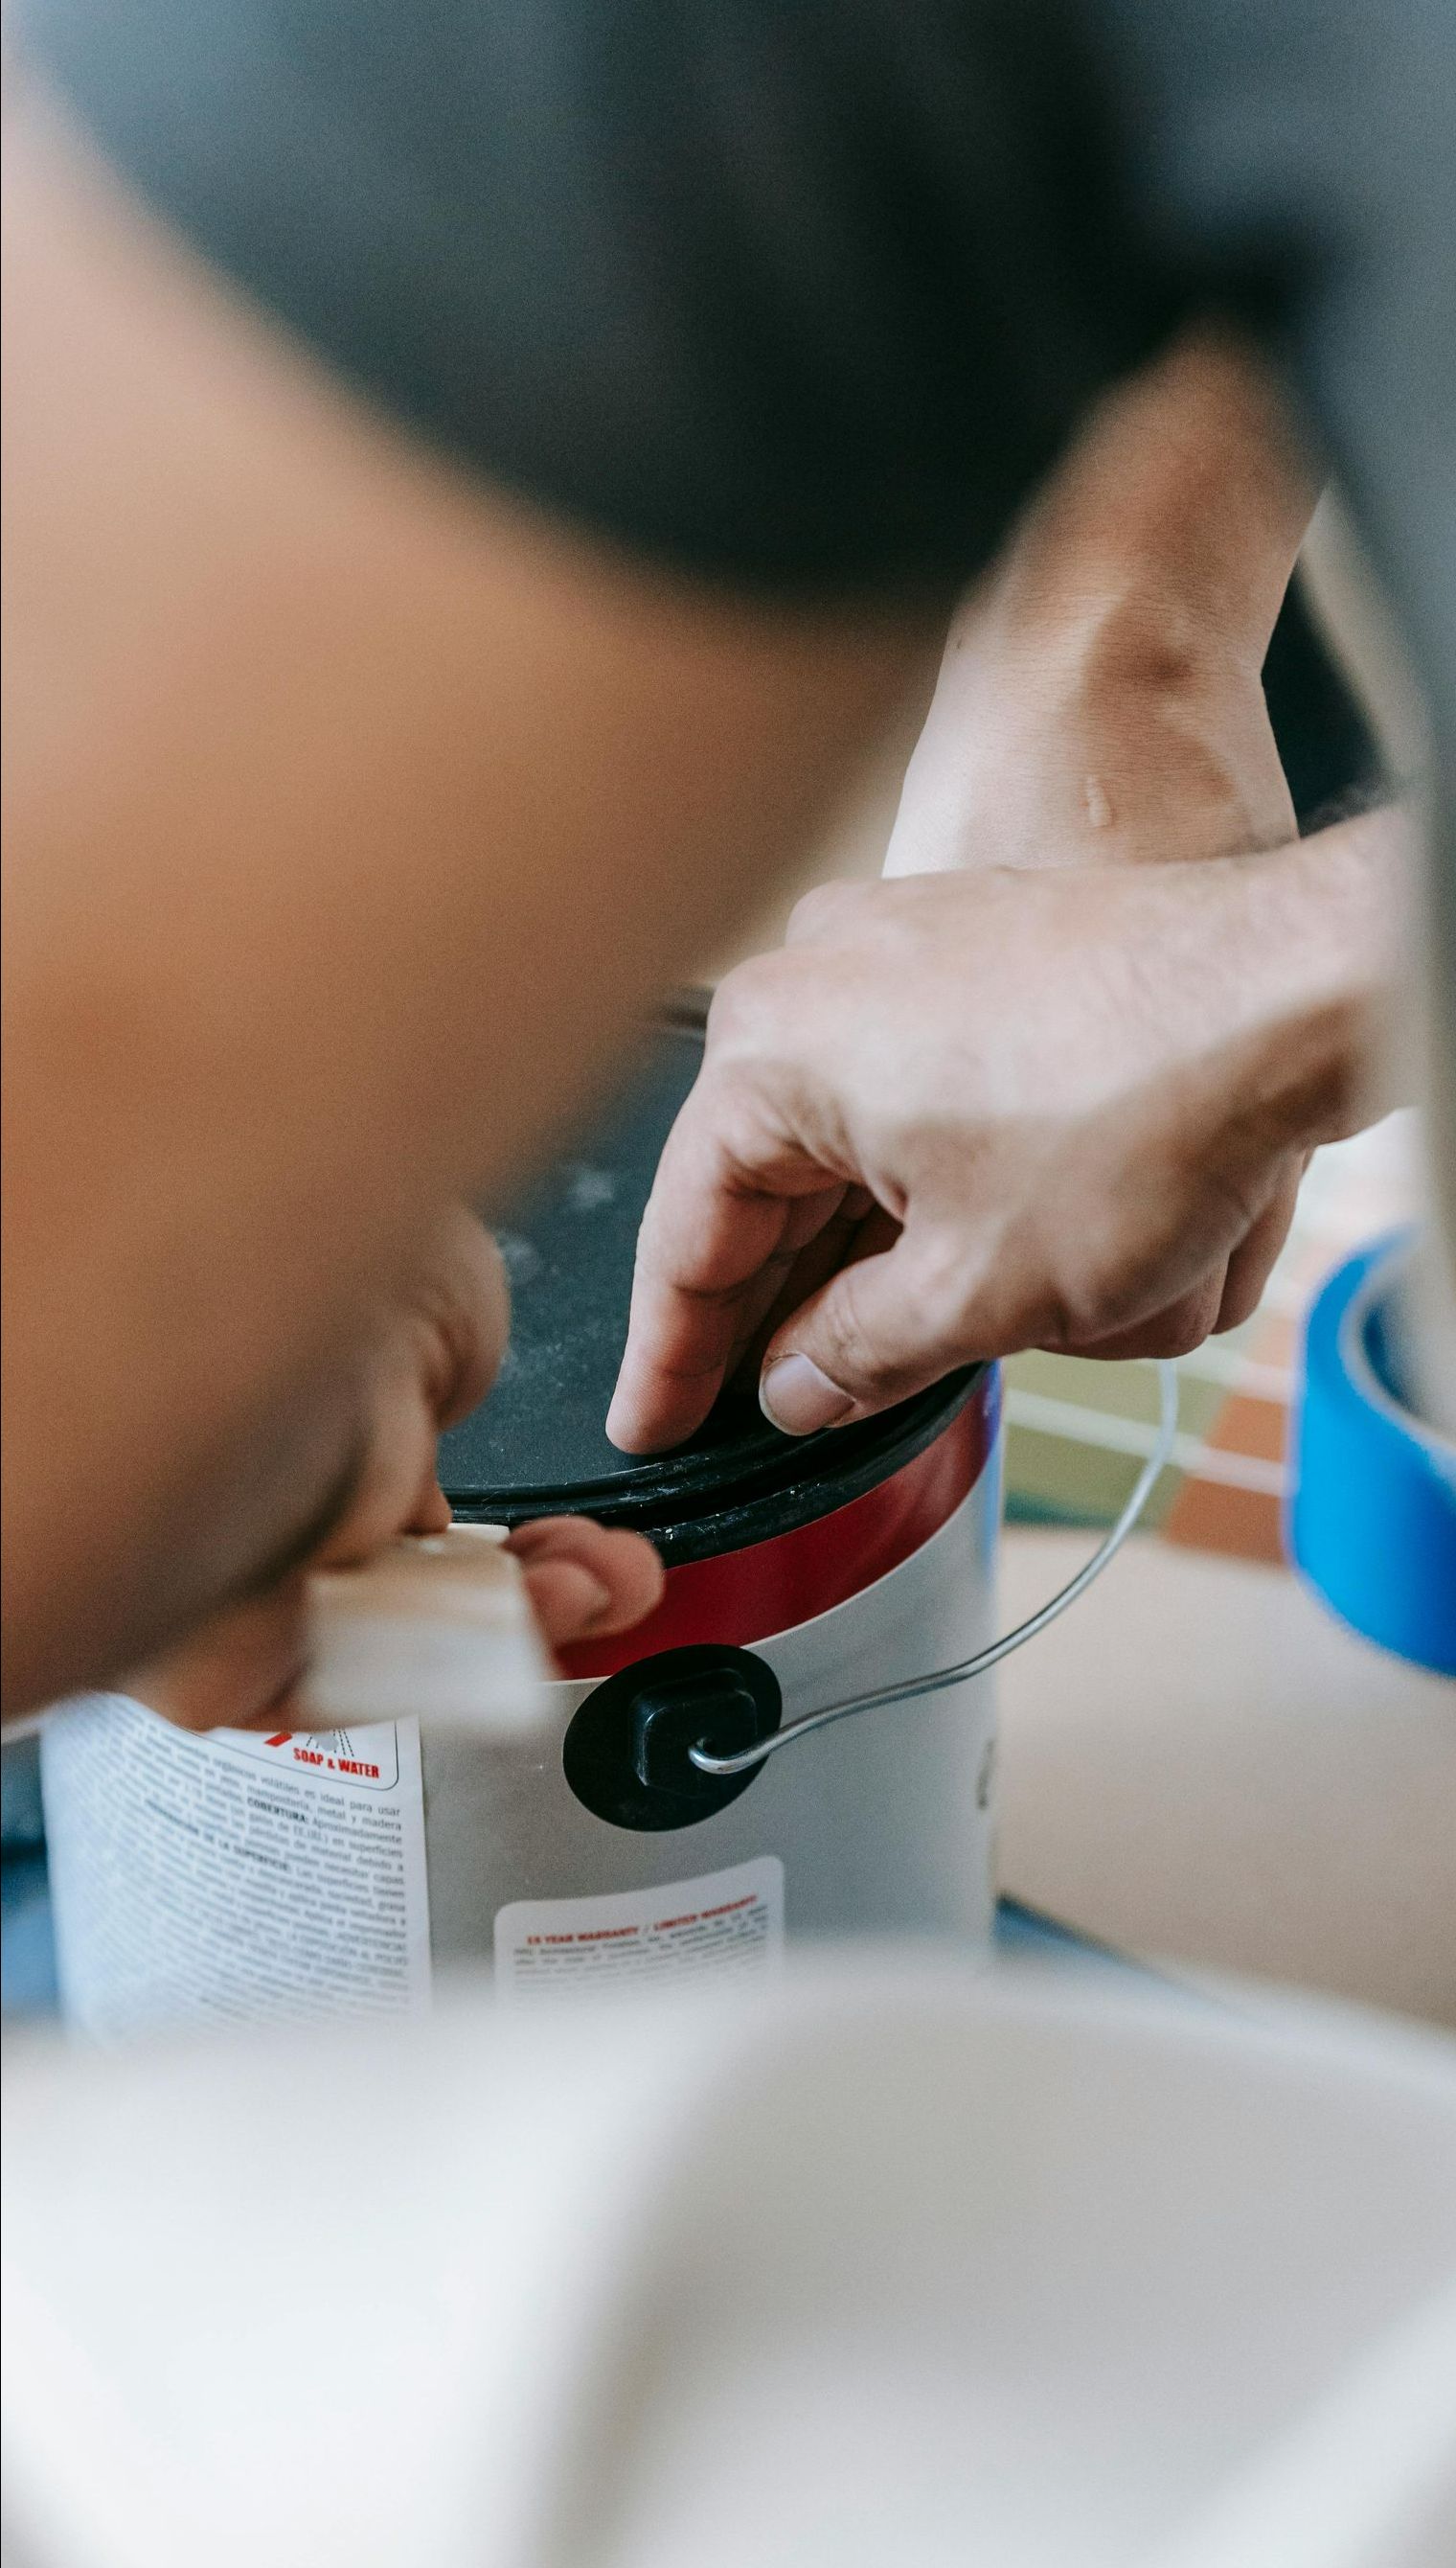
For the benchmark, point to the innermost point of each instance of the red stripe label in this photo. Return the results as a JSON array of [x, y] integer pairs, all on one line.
[[746, 1596]]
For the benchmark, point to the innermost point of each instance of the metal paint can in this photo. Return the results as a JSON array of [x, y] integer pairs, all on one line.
[[237, 1875]]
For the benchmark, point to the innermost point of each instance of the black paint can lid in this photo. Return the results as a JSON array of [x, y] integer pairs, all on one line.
[[538, 1446]]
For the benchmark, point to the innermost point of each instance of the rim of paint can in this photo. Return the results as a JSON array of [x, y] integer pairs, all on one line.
[[747, 1594], [706, 1504], [537, 1447]]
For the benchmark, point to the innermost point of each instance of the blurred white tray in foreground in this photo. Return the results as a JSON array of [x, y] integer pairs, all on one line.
[[895, 2265]]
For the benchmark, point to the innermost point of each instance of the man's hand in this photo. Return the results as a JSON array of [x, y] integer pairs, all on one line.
[[1100, 696], [436, 1358], [1032, 1110], [1056, 1089]]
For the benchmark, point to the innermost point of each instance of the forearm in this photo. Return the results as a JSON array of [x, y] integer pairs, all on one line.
[[1167, 538], [1099, 696]]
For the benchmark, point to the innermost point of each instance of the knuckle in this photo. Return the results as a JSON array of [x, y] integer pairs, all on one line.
[[942, 1288], [1241, 1297], [849, 1350], [1104, 1322], [1194, 1321], [1173, 1332], [881, 1365], [946, 1272], [1097, 1287], [1080, 1311]]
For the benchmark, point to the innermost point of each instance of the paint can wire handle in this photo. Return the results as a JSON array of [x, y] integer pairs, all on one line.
[[910, 1688]]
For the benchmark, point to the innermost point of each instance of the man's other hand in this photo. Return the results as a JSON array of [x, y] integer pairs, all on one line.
[[437, 1356], [998, 1110]]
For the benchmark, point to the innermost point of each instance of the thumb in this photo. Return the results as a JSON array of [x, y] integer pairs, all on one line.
[[877, 1332]]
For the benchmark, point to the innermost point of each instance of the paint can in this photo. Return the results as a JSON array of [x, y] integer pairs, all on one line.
[[238, 1875]]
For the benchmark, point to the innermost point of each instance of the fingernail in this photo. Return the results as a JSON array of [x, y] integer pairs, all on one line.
[[794, 1396]]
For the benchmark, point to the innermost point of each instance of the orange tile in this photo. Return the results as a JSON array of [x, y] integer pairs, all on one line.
[[1207, 1516], [1250, 1424]]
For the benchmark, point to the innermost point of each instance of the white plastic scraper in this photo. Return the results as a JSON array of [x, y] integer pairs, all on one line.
[[437, 1626]]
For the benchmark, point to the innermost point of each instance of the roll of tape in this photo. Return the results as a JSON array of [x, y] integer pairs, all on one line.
[[1372, 1519]]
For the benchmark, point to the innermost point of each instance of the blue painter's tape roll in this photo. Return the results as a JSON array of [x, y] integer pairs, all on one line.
[[1372, 1519]]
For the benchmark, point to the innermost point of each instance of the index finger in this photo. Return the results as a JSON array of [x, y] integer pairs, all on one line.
[[721, 1229]]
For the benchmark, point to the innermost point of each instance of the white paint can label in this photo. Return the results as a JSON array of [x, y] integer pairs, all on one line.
[[723, 1924], [236, 1875]]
